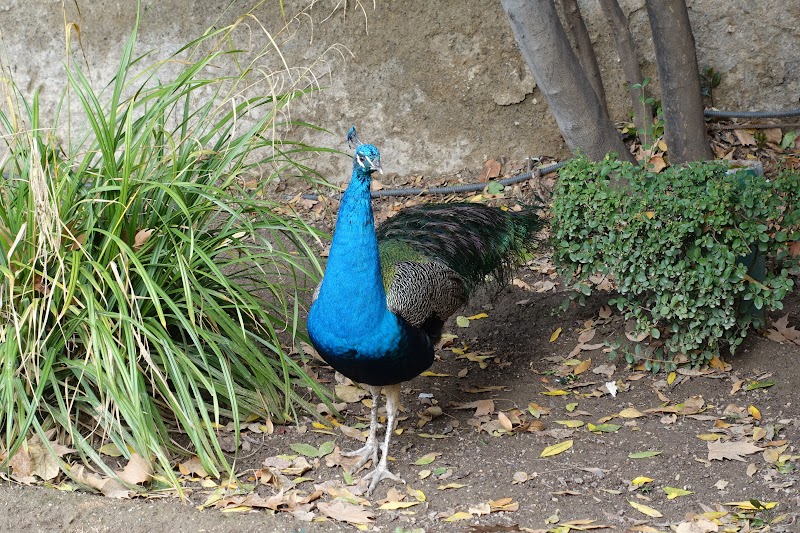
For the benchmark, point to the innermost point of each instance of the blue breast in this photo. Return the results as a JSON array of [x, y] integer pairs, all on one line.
[[349, 324]]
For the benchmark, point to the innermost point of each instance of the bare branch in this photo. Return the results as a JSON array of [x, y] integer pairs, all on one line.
[[584, 49], [642, 112]]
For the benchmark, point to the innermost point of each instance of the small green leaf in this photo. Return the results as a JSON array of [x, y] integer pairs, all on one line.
[[305, 449], [462, 321], [325, 448], [643, 455], [494, 187], [753, 385], [673, 492], [789, 138], [348, 477]]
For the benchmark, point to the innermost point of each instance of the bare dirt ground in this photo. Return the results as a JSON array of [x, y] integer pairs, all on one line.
[[474, 431]]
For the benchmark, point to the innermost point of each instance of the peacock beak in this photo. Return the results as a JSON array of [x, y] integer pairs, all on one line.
[[375, 165]]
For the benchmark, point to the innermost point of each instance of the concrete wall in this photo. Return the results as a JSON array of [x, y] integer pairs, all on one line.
[[438, 86]]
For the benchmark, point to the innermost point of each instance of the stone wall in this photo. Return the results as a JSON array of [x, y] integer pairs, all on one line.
[[439, 86]]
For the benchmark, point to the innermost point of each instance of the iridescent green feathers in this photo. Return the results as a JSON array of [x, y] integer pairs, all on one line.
[[474, 240]]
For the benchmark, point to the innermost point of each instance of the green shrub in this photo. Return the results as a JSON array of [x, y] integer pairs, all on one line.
[[144, 293], [688, 248]]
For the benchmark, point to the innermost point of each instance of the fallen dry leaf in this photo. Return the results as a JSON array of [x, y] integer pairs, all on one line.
[[781, 332], [141, 237], [730, 450], [36, 459], [503, 504], [349, 393], [631, 412], [393, 506], [556, 449], [582, 367], [698, 524], [108, 486], [491, 169], [346, 512], [137, 471], [192, 466], [455, 517], [649, 511]]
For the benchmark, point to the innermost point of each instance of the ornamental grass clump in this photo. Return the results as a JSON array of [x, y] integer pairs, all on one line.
[[146, 297]]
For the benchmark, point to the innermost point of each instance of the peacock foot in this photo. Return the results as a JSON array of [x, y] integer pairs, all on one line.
[[364, 454], [376, 476]]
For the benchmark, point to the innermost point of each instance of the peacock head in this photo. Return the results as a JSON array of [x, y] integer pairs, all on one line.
[[367, 157]]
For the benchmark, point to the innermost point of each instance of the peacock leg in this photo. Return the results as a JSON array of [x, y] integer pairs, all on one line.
[[381, 471], [370, 448]]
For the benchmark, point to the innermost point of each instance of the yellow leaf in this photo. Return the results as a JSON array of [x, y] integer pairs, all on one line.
[[391, 506], [237, 509], [451, 486], [582, 367], [556, 449], [630, 412], [755, 413], [110, 449], [429, 374], [570, 423], [674, 492], [649, 511], [461, 515], [558, 392], [555, 334], [417, 494], [709, 436], [422, 474], [641, 480], [649, 214], [478, 316], [427, 459], [748, 506], [671, 378]]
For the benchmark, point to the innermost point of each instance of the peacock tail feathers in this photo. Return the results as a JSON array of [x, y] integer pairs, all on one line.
[[473, 240]]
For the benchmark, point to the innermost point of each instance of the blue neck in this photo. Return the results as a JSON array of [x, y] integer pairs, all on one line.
[[353, 279]]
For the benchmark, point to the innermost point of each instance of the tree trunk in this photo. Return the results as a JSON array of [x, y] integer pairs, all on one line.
[[584, 49], [642, 112], [546, 49], [679, 78]]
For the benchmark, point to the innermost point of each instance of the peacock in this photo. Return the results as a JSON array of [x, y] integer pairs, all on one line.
[[386, 293]]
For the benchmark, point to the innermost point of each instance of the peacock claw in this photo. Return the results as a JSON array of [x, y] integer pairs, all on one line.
[[365, 453], [377, 475]]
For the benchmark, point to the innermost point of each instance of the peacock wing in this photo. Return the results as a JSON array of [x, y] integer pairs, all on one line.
[[473, 240]]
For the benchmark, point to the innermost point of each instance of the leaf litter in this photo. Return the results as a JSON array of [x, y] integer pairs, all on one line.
[[743, 433]]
